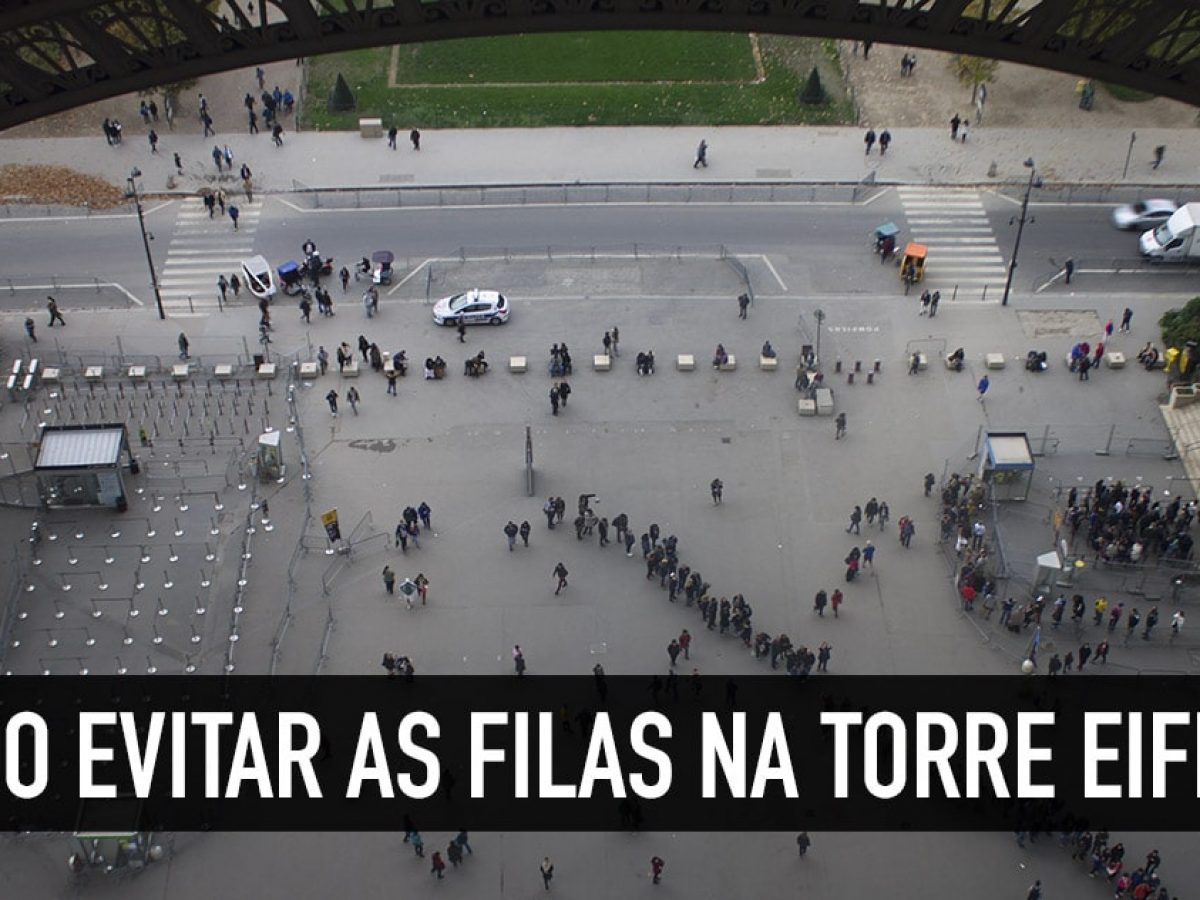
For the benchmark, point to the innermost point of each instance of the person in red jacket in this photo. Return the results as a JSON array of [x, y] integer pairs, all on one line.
[[656, 868]]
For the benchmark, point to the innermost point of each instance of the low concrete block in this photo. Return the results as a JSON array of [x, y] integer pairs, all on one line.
[[730, 364], [922, 362], [807, 407], [223, 371], [181, 371], [94, 373], [824, 400], [351, 369], [1115, 359], [685, 362], [518, 364], [309, 370], [994, 360], [768, 363], [370, 128], [266, 371], [601, 362], [51, 375], [137, 373]]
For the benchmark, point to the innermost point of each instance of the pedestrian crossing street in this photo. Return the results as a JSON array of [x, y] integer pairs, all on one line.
[[202, 249], [962, 246]]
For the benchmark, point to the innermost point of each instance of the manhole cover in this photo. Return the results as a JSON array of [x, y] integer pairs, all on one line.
[[772, 173], [1060, 323], [396, 179], [726, 440]]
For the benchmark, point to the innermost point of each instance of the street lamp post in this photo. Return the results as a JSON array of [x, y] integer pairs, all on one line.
[[1012, 265], [137, 202]]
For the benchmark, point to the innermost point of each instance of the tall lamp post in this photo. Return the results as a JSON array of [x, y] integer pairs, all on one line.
[[819, 315], [137, 202], [1034, 181]]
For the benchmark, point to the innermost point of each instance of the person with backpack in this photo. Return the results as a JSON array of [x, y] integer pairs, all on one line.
[[560, 572]]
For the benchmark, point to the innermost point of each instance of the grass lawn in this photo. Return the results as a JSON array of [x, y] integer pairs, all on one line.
[[587, 78]]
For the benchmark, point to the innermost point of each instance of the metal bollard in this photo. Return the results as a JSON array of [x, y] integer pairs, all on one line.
[[877, 365], [837, 367], [858, 365], [850, 378], [870, 378]]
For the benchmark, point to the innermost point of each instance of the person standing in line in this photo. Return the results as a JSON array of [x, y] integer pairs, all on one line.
[[560, 572], [629, 542], [701, 155], [656, 868], [547, 870], [55, 315], [415, 137]]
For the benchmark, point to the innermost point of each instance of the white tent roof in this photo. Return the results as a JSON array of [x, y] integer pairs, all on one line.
[[80, 448]]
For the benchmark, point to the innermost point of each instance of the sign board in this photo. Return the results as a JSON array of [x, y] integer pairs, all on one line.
[[330, 521]]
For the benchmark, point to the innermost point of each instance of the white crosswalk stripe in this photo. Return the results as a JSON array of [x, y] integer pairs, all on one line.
[[953, 224], [201, 249]]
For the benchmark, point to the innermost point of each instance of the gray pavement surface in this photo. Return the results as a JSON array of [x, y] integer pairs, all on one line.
[[619, 155]]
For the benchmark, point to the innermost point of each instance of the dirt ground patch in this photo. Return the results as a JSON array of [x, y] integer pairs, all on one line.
[[1060, 323], [56, 185], [1020, 97]]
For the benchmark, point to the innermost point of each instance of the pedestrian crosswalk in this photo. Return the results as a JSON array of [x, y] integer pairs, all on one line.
[[963, 252], [202, 249]]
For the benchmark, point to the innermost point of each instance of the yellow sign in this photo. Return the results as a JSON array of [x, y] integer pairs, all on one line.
[[332, 530]]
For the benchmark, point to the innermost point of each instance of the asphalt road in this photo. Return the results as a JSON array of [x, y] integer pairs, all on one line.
[[824, 247]]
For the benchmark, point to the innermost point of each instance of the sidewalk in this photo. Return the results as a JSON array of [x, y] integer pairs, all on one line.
[[613, 155]]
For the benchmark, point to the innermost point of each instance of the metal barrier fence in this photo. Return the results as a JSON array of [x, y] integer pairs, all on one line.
[[8, 615], [417, 197]]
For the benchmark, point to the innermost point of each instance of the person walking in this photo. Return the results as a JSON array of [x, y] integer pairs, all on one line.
[[1159, 152], [332, 399], [855, 520], [518, 660], [717, 489], [1126, 320], [982, 387], [868, 557], [392, 133], [277, 135], [510, 532], [673, 649], [819, 603], [616, 338], [962, 131], [462, 330], [885, 140], [1068, 269], [438, 867], [954, 125], [835, 601], [525, 531], [560, 572], [701, 155], [547, 870], [55, 315], [178, 164], [152, 137], [869, 140], [824, 652], [389, 580], [933, 303], [840, 425], [415, 137], [743, 305], [685, 643], [30, 329], [656, 869], [418, 844], [234, 212], [352, 398], [183, 345], [554, 399], [803, 842]]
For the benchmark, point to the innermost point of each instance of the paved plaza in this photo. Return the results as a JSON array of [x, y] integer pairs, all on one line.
[[646, 446]]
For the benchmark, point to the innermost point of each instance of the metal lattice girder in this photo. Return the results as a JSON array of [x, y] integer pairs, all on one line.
[[57, 54]]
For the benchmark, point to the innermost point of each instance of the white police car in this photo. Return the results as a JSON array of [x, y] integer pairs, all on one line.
[[472, 307]]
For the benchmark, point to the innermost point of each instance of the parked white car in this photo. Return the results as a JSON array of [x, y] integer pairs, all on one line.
[[473, 307]]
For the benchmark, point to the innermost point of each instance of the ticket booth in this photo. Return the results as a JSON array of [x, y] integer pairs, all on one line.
[[1007, 464], [82, 465], [270, 456]]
